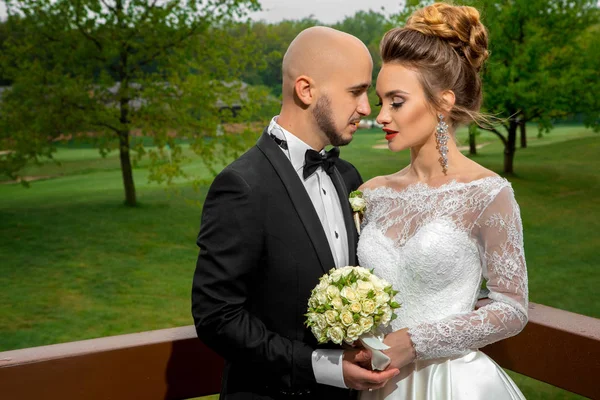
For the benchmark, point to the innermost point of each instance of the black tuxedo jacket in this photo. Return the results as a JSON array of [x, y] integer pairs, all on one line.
[[262, 251]]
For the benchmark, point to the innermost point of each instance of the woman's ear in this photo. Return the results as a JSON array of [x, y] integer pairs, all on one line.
[[304, 88], [448, 100]]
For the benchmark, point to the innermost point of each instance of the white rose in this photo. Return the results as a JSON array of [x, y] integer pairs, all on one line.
[[363, 288], [347, 317], [337, 303], [368, 307], [366, 323], [312, 302], [377, 283], [336, 275], [331, 316], [382, 298], [321, 297], [323, 283], [335, 334], [318, 333], [311, 317], [355, 307], [387, 315], [357, 204], [354, 332], [349, 294], [346, 271], [363, 273], [332, 292], [321, 321]]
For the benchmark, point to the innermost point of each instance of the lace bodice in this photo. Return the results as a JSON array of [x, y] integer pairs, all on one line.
[[436, 246]]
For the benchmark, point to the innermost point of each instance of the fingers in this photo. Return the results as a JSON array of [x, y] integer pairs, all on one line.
[[380, 377], [357, 356], [362, 356], [357, 377], [375, 379]]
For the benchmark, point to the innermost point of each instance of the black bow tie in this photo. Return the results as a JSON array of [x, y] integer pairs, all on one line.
[[313, 160]]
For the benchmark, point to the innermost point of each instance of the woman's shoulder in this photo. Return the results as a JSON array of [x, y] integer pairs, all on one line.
[[373, 183], [475, 172], [390, 181]]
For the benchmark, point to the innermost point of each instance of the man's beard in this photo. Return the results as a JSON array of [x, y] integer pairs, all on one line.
[[324, 117]]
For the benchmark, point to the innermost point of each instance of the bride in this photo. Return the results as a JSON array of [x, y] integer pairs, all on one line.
[[443, 225]]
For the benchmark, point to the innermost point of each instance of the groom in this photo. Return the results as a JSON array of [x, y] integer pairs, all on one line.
[[278, 218]]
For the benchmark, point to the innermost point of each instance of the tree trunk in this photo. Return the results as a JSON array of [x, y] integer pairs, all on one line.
[[124, 129], [126, 169], [523, 134], [510, 147], [472, 144]]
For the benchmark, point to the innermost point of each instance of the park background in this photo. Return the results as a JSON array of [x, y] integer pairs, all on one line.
[[116, 115]]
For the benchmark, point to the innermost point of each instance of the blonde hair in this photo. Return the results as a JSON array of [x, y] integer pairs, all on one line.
[[447, 46]]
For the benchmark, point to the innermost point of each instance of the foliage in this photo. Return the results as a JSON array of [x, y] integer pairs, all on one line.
[[368, 26], [106, 71], [541, 65]]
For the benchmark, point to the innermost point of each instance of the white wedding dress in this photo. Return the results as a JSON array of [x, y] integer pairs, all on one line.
[[436, 246]]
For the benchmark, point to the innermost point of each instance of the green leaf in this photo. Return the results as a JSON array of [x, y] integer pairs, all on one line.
[[356, 193]]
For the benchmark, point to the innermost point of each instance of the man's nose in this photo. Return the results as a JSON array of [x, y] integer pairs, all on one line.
[[364, 108]]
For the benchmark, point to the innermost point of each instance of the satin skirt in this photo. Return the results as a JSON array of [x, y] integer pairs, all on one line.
[[473, 376]]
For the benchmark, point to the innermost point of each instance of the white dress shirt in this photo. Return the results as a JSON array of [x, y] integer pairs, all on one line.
[[327, 364]]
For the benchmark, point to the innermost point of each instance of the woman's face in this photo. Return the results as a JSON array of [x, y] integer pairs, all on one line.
[[407, 119]]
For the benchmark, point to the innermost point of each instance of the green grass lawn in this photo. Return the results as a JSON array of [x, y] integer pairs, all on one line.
[[76, 264]]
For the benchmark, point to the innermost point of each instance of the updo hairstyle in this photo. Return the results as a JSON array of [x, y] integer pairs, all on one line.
[[447, 46]]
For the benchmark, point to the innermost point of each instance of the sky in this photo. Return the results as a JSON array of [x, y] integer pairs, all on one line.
[[326, 11]]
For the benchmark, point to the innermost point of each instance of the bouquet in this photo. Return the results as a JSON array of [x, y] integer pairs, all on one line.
[[351, 304]]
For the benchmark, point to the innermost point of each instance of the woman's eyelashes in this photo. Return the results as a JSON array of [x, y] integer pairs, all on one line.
[[396, 103]]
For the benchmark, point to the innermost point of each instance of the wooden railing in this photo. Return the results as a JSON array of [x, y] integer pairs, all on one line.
[[557, 347]]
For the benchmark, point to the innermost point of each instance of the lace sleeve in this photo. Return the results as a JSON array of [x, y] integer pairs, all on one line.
[[500, 235]]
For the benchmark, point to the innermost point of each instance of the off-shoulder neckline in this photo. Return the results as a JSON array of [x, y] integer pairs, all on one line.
[[423, 187]]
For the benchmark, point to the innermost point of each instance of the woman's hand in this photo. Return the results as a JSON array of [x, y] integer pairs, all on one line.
[[402, 351]]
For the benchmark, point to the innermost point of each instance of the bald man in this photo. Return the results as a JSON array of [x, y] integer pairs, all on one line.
[[277, 219]]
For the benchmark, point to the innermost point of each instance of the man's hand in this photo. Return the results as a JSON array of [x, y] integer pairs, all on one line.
[[358, 375]]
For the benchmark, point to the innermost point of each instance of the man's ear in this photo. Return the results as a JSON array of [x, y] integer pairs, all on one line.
[[305, 89], [448, 100]]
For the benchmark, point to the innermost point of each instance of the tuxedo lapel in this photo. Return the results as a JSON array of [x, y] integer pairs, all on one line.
[[300, 199], [342, 192]]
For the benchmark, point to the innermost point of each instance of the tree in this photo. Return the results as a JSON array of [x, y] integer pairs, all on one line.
[[542, 63], [473, 133], [368, 26], [534, 72], [110, 70], [271, 42]]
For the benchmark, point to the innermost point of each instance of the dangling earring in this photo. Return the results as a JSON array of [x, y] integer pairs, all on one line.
[[441, 137]]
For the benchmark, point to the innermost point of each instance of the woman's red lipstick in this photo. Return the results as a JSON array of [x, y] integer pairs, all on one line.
[[389, 134]]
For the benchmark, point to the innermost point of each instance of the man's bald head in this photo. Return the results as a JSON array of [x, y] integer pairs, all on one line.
[[326, 75], [318, 53]]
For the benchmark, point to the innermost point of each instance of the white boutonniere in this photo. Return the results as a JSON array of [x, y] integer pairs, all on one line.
[[359, 206]]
